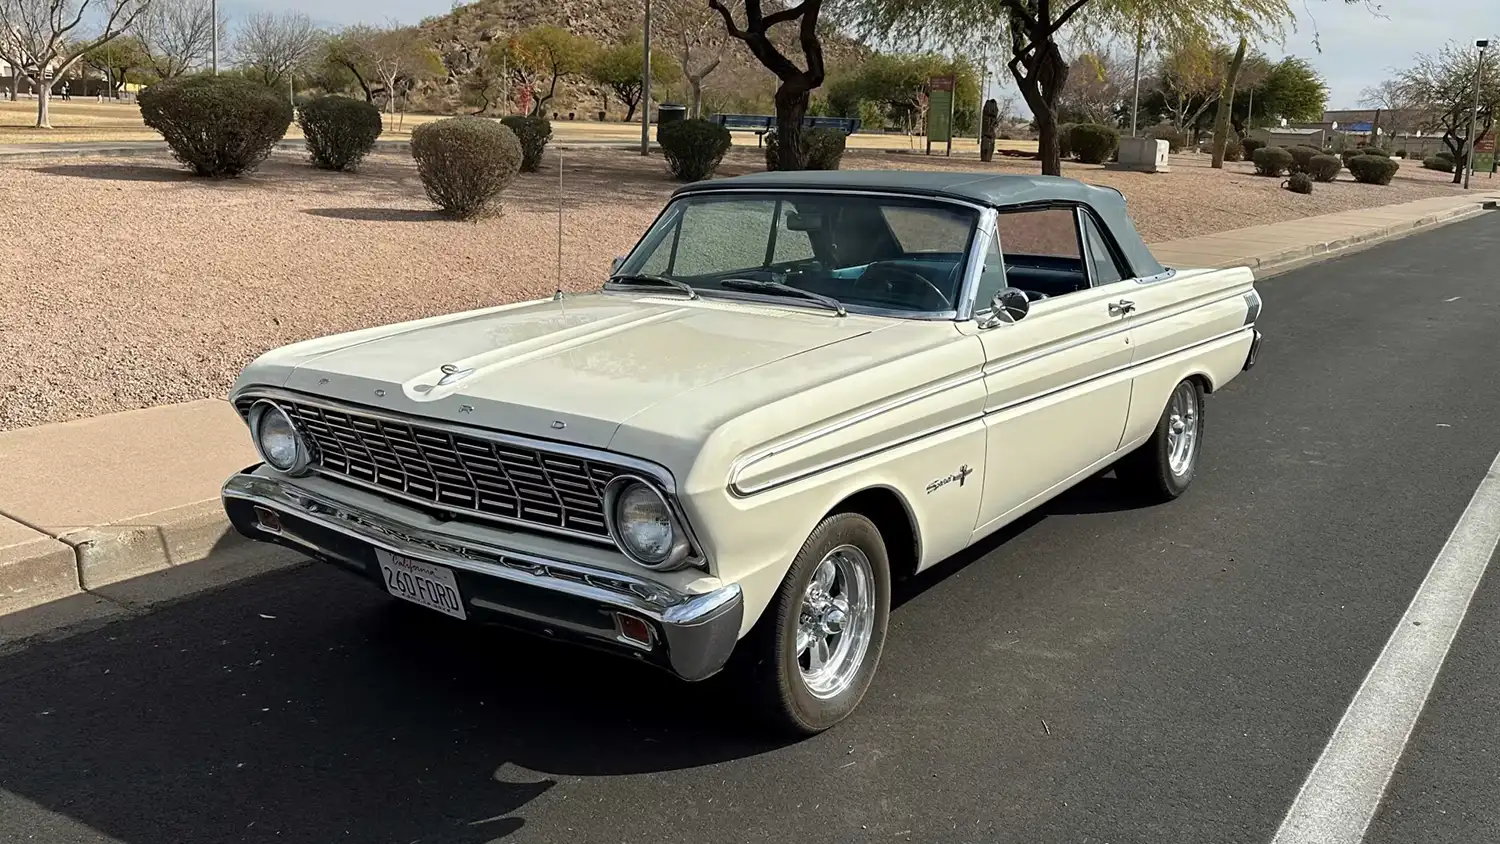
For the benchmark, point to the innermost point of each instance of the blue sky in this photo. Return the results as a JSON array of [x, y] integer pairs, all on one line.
[[1359, 46]]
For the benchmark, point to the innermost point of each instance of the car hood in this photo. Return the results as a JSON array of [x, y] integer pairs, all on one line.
[[571, 369]]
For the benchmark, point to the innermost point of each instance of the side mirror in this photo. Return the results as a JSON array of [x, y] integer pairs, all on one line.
[[614, 266], [1009, 305]]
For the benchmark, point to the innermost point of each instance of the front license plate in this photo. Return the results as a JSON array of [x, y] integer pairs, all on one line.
[[421, 583]]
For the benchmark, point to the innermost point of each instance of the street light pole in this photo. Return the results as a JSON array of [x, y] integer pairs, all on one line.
[[1135, 98], [646, 87], [1474, 115]]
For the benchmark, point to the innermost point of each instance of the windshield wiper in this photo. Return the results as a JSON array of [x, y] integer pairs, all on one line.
[[656, 279], [760, 286]]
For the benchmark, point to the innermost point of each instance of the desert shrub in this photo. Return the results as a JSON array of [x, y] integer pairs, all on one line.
[[1400, 153], [340, 131], [1435, 162], [533, 133], [693, 148], [217, 125], [1376, 151], [1250, 145], [1092, 143], [1175, 139], [1373, 169], [1324, 168], [465, 163], [1065, 140], [1233, 150], [1271, 161], [1446, 156], [1299, 183], [824, 148], [1301, 155]]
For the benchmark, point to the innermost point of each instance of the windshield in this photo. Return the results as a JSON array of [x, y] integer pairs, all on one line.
[[883, 253]]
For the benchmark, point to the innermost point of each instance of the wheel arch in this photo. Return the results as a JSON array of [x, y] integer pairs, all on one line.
[[893, 516]]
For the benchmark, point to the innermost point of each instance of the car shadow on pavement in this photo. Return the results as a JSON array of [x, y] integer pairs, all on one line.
[[378, 215], [302, 706], [155, 172]]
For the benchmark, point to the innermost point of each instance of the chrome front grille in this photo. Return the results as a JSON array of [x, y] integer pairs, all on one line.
[[455, 472]]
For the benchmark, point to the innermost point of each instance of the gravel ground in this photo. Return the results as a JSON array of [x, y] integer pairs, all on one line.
[[156, 287]]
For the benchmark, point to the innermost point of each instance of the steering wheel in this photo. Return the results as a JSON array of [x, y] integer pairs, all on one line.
[[901, 274]]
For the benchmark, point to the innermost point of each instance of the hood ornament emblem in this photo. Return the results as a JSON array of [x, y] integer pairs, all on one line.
[[452, 373]]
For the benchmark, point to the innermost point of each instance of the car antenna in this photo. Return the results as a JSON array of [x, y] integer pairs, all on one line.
[[558, 295]]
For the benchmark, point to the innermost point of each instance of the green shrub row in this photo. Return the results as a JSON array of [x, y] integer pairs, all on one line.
[[339, 131], [822, 149], [465, 163], [693, 148], [1093, 143], [533, 133], [1299, 183], [221, 126], [1373, 169]]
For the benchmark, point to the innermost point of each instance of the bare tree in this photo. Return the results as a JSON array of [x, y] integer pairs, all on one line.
[[401, 58], [1442, 85], [1401, 114], [178, 34], [41, 39], [272, 47], [700, 41], [1096, 89]]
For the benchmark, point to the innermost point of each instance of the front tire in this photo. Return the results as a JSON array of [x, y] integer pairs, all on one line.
[[1162, 467], [813, 654]]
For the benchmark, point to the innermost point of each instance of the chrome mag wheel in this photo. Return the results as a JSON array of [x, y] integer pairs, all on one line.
[[1182, 429], [836, 622]]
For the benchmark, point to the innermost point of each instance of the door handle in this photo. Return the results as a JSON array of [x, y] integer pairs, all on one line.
[[1121, 308]]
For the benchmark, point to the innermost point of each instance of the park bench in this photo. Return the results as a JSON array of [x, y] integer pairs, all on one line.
[[760, 124]]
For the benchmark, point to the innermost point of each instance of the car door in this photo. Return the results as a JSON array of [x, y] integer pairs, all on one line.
[[1169, 316], [1057, 380]]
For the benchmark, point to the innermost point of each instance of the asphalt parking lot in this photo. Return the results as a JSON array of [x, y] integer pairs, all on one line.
[[1099, 673]]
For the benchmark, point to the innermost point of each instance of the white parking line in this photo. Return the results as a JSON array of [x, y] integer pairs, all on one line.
[[1339, 798]]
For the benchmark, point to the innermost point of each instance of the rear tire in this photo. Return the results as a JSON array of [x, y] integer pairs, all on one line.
[[1164, 465], [809, 660]]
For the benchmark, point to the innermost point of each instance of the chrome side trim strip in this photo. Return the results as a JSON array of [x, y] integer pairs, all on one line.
[[1111, 330], [739, 466], [739, 491]]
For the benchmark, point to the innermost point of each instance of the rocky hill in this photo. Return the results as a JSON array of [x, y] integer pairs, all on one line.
[[462, 35]]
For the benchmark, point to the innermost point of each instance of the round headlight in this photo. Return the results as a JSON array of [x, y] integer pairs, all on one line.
[[643, 525], [278, 440]]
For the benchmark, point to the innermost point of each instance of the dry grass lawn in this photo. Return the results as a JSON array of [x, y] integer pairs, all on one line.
[[83, 120], [159, 287]]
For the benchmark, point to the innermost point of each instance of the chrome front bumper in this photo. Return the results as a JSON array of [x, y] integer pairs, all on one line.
[[692, 634]]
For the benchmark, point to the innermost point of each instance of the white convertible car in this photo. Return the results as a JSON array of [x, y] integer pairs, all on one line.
[[795, 388]]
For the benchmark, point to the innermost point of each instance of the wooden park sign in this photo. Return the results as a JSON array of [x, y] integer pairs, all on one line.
[[940, 111]]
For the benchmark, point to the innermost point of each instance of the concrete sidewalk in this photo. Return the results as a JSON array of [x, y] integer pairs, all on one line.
[[104, 509]]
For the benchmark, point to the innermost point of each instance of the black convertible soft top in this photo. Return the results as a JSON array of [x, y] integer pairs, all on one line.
[[994, 190]]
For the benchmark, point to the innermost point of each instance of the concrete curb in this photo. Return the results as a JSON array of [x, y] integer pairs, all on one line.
[[154, 542], [1289, 259]]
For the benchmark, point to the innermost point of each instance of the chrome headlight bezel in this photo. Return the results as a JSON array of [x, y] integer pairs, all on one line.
[[682, 551], [302, 462]]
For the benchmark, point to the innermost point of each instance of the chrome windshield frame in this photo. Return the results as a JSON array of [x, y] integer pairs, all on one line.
[[973, 255]]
